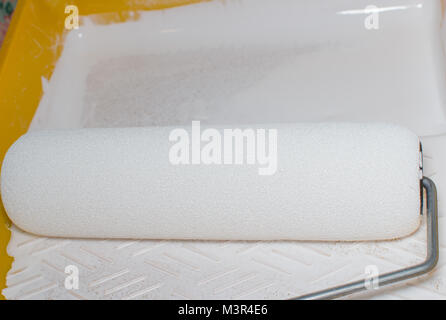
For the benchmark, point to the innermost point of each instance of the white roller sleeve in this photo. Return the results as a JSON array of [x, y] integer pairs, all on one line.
[[333, 182]]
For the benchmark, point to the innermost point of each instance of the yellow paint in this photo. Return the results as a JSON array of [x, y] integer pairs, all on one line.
[[29, 52]]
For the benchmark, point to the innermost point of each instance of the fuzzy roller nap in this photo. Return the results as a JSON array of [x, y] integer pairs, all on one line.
[[333, 182]]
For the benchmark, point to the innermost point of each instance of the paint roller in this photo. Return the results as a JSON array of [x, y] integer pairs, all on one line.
[[326, 181]]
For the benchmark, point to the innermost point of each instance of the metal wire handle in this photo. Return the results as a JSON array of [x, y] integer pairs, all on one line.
[[399, 275]]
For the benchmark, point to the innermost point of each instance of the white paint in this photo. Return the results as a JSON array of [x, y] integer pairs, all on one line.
[[253, 61]]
